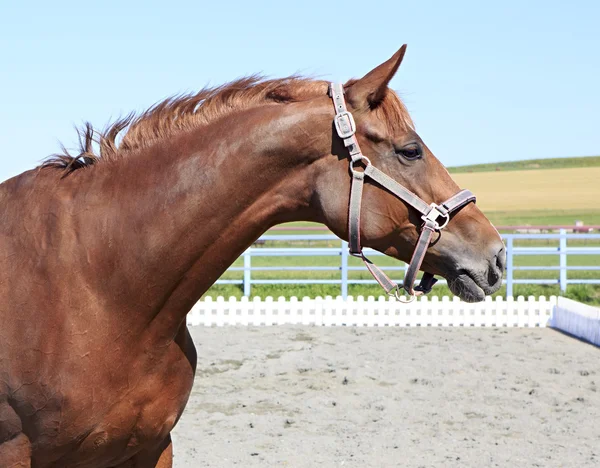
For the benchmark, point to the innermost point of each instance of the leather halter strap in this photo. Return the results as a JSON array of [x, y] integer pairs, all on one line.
[[432, 214]]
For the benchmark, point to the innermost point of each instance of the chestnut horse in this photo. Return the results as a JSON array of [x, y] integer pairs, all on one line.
[[104, 253]]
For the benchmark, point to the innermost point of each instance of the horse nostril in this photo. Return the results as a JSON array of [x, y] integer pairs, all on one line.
[[494, 275], [496, 268], [501, 259]]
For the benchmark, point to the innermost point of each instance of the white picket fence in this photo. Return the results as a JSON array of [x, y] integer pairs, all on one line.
[[329, 311]]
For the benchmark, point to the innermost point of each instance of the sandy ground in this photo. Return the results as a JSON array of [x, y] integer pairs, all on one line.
[[325, 397]]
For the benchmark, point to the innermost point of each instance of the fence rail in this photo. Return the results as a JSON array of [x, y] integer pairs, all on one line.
[[563, 251]]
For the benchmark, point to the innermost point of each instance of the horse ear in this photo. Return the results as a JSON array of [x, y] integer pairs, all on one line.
[[369, 91]]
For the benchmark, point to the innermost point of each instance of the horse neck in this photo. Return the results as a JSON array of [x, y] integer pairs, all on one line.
[[189, 208]]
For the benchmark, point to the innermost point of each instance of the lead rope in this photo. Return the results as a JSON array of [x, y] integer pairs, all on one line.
[[346, 130]]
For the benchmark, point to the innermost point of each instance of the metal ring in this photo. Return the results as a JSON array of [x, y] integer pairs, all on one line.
[[399, 298], [366, 161]]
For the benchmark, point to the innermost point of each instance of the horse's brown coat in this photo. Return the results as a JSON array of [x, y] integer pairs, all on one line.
[[101, 257]]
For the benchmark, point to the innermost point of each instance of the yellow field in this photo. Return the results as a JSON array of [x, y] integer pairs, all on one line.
[[548, 189]]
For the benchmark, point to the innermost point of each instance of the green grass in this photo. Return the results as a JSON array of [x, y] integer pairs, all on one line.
[[544, 217], [530, 164]]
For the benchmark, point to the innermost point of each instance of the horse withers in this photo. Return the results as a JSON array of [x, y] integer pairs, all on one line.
[[103, 253]]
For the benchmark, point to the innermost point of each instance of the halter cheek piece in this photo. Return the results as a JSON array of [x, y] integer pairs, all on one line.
[[435, 217]]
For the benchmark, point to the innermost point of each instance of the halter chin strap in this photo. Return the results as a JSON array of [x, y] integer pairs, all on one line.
[[435, 217]]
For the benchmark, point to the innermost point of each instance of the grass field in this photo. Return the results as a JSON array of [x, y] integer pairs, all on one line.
[[548, 217], [530, 164], [556, 189], [535, 192], [523, 195]]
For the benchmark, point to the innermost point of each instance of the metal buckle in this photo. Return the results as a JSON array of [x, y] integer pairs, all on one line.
[[433, 215], [344, 124]]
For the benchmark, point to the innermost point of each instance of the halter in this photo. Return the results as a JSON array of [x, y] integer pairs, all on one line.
[[435, 217]]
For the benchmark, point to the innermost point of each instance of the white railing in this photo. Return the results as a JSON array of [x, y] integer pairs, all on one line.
[[329, 311], [563, 250]]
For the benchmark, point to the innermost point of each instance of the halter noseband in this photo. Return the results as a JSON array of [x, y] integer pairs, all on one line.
[[431, 213]]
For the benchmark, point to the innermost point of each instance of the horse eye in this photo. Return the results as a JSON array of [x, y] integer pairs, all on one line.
[[410, 152]]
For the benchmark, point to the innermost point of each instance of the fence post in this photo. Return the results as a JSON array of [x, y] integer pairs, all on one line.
[[344, 272], [247, 271], [509, 266], [562, 247]]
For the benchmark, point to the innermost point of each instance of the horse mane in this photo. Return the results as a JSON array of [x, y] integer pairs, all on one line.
[[188, 112]]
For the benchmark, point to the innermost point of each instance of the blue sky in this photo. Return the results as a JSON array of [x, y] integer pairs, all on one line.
[[484, 81]]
